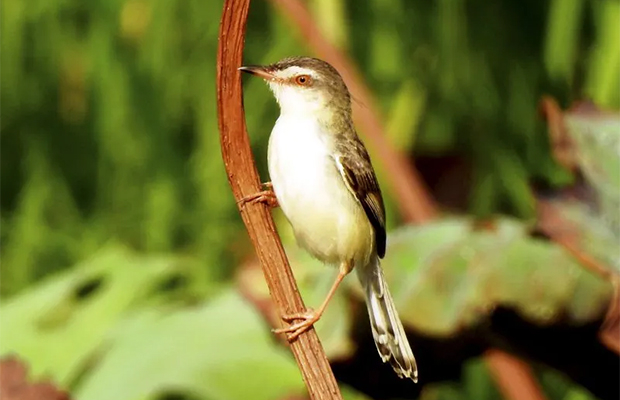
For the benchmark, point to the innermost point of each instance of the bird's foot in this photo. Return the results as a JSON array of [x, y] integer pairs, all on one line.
[[266, 196], [305, 320]]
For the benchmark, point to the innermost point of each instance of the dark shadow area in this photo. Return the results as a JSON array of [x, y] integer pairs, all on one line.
[[572, 350]]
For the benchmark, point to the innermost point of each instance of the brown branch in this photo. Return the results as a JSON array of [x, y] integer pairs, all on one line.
[[566, 234], [415, 203], [244, 181], [562, 146], [609, 333], [513, 376], [15, 385]]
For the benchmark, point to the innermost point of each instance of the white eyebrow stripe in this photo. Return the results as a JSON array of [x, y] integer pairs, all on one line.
[[295, 70]]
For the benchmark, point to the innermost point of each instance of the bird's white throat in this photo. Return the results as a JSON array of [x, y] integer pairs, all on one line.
[[296, 101]]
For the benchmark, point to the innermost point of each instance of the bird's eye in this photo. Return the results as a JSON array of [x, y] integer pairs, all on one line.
[[303, 80]]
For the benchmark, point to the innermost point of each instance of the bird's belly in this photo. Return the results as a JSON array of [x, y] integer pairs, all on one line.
[[326, 218]]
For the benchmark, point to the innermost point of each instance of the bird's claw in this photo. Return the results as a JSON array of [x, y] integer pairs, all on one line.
[[308, 314], [266, 196], [305, 321]]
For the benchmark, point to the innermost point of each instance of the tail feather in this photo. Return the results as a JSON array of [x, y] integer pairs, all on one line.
[[387, 329]]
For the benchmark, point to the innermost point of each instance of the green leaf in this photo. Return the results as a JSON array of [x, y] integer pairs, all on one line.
[[565, 17], [445, 283], [58, 325], [597, 144], [216, 350], [596, 141]]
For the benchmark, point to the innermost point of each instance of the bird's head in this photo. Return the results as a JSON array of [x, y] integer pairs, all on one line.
[[304, 85]]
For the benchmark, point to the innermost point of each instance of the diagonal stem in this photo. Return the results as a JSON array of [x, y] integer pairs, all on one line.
[[244, 180]]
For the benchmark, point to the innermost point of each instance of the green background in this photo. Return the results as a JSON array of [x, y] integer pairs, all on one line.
[[121, 238]]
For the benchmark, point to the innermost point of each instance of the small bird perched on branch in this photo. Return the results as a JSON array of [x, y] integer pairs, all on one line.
[[322, 177]]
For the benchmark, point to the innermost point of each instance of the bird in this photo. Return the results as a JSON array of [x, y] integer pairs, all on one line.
[[323, 180]]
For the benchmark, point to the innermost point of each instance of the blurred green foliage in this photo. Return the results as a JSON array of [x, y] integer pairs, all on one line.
[[86, 330], [108, 110], [109, 135], [597, 142], [124, 326]]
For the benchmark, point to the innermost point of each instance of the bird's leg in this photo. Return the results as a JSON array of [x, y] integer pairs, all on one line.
[[307, 318], [266, 196]]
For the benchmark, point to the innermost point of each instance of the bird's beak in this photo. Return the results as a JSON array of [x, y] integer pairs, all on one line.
[[259, 71]]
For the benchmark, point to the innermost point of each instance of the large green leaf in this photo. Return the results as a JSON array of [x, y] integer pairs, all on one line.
[[217, 350], [447, 276], [59, 324]]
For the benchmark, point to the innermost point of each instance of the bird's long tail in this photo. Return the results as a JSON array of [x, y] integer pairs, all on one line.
[[387, 329]]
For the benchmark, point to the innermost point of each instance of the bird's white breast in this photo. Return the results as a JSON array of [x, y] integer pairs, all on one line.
[[326, 218]]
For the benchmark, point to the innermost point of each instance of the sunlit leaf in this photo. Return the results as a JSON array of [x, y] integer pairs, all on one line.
[[58, 326], [217, 350], [443, 284]]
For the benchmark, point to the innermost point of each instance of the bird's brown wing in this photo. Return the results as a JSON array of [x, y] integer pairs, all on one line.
[[360, 179]]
